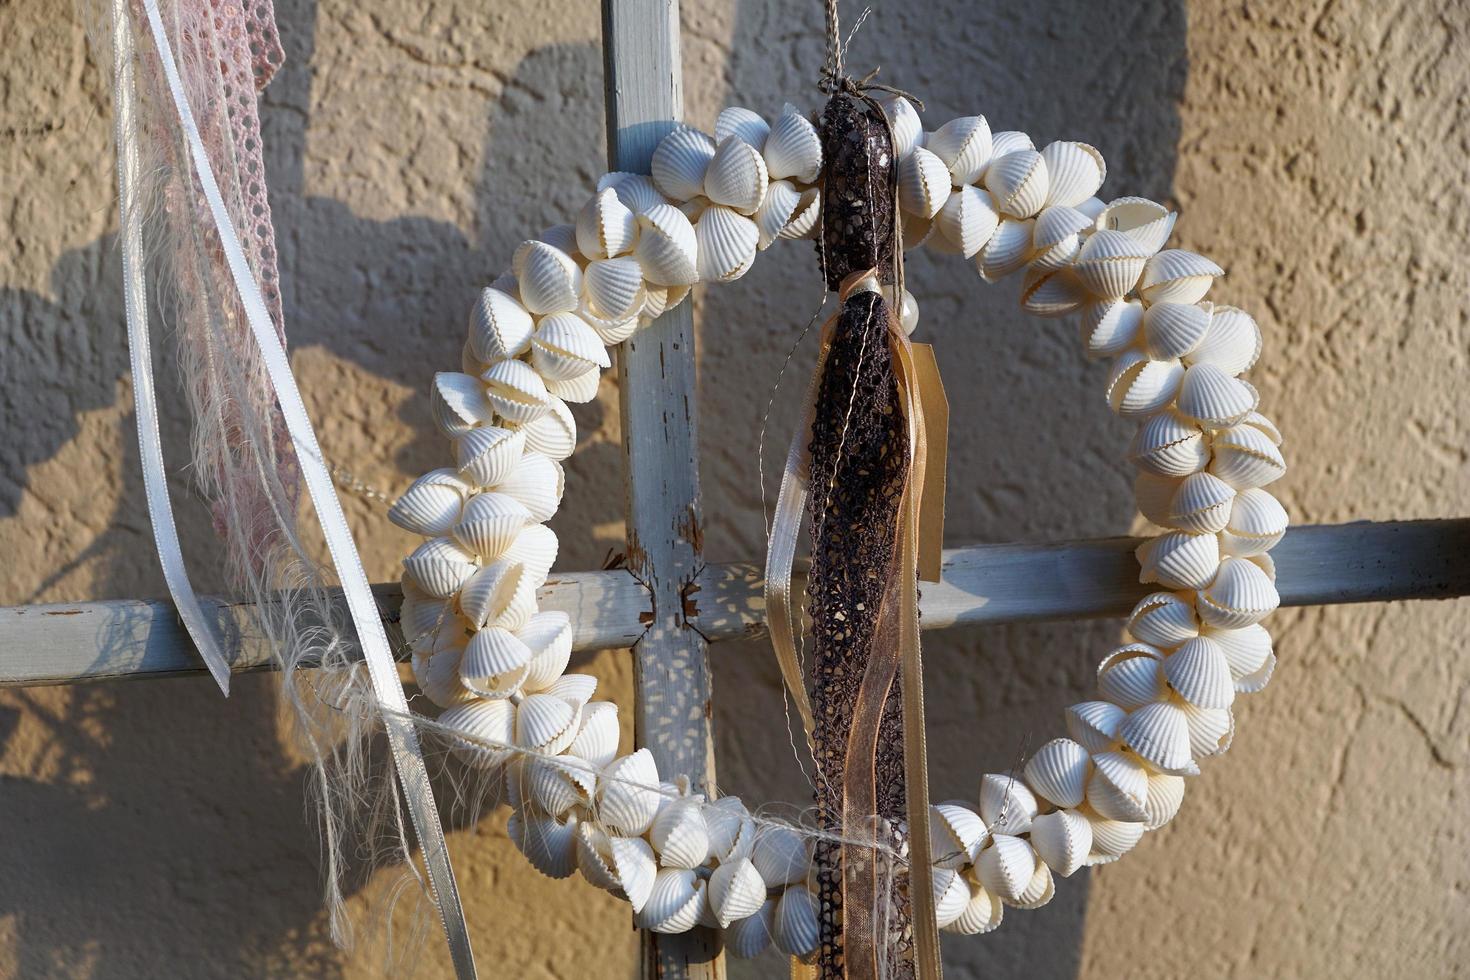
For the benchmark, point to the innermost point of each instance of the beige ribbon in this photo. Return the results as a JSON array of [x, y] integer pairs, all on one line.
[[895, 650]]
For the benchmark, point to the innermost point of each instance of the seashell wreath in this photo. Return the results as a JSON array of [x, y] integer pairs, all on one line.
[[537, 339]]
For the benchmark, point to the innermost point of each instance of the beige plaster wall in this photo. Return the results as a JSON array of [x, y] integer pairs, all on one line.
[[1318, 150]]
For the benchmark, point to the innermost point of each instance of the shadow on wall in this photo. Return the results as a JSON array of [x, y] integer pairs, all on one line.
[[131, 803]]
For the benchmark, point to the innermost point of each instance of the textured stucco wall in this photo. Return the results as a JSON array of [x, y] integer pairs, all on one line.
[[1317, 150]]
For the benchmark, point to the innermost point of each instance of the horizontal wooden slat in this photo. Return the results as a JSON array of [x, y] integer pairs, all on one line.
[[1325, 564]]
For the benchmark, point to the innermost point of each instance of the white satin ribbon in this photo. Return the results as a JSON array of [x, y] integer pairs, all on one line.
[[403, 739], [145, 403]]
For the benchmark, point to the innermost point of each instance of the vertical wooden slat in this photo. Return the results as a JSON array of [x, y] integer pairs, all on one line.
[[656, 371]]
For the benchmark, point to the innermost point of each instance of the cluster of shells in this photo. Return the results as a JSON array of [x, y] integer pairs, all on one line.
[[537, 340]]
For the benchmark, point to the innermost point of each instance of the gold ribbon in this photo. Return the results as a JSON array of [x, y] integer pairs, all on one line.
[[895, 650]]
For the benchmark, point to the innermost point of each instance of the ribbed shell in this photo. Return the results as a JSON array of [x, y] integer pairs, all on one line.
[[550, 280], [489, 524], [1165, 794], [748, 937], [553, 434], [1006, 803], [744, 124], [1006, 251], [1232, 343], [1164, 620], [727, 244], [983, 914], [1166, 445], [680, 834], [1058, 772], [923, 183], [545, 723], [735, 891], [536, 481], [1210, 730], [1174, 330], [637, 191], [1139, 386], [606, 226], [1018, 181], [494, 660], [628, 794], [1158, 733], [1118, 786], [967, 219], [500, 326], [1129, 677], [964, 145], [439, 567], [1113, 838], [1257, 522], [1247, 650], [485, 721], [674, 902], [1052, 294], [780, 855], [516, 391], [597, 738], [796, 929], [667, 248], [903, 120], [1202, 504], [1094, 724], [680, 161], [737, 176], [951, 895], [793, 150], [1177, 276], [1110, 326], [1062, 839], [431, 505], [458, 403], [1074, 172], [1245, 457], [548, 843], [613, 290], [1006, 866], [1200, 673], [487, 594], [1241, 595], [1214, 398], [956, 834], [1110, 263], [1146, 222], [1180, 560]]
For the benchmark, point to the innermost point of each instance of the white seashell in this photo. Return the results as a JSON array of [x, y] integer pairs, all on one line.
[[1201, 504], [782, 200], [967, 219], [1210, 730], [1165, 794], [1241, 595], [628, 795], [549, 843], [1110, 326], [1177, 276], [637, 191], [796, 928], [749, 937], [1007, 804], [1056, 236], [1094, 724], [489, 594], [1110, 264], [1006, 866], [1039, 890], [534, 549], [731, 831], [605, 226], [1009, 141], [578, 390], [1248, 652], [923, 183], [964, 145], [1213, 398], [951, 895], [1062, 839], [516, 391], [1232, 343], [1074, 170], [1139, 386], [486, 455], [553, 434], [439, 567], [1058, 771], [1158, 734], [694, 207], [437, 675], [1111, 839], [563, 238], [981, 915], [737, 176], [1200, 674], [1130, 677], [655, 301], [546, 723], [680, 834], [556, 785], [1153, 495], [680, 161], [494, 662], [746, 125], [506, 283], [549, 635], [904, 123], [674, 902], [780, 855], [485, 725], [1018, 181], [956, 834], [793, 149], [458, 404], [803, 223], [1265, 563], [1257, 522], [1118, 787], [537, 482], [575, 689], [1245, 457], [1180, 560], [613, 289], [489, 524], [430, 625], [1174, 330], [431, 504], [1268, 428], [1092, 207], [1052, 294], [667, 249], [634, 867], [1006, 251], [915, 231], [727, 244], [1164, 620], [735, 891], [1166, 445], [550, 280], [500, 327], [1145, 222], [597, 739]]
